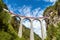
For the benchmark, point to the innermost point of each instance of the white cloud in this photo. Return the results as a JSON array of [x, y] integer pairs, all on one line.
[[40, 13], [35, 11], [50, 0], [26, 23], [10, 8], [25, 10]]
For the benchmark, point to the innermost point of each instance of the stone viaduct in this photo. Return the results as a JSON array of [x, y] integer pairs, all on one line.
[[31, 26]]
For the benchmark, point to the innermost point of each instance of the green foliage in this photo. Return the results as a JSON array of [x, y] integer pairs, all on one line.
[[51, 32], [36, 37], [26, 33], [9, 35], [11, 30], [5, 36], [58, 32], [7, 31], [2, 5], [4, 17], [15, 23]]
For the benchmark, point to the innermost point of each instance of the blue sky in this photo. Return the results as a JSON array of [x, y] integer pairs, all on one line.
[[34, 7], [31, 8]]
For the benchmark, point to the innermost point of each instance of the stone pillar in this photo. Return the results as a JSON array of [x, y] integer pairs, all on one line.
[[42, 30], [20, 29], [31, 30]]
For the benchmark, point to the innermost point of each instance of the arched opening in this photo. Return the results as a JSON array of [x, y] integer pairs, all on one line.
[[26, 30], [37, 28], [15, 22], [26, 22], [42, 28]]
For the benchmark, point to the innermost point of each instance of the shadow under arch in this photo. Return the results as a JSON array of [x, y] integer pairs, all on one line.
[[25, 30], [27, 19], [15, 22], [16, 18], [37, 20]]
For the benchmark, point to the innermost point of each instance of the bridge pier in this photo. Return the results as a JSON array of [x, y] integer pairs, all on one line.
[[42, 30], [20, 28], [31, 30]]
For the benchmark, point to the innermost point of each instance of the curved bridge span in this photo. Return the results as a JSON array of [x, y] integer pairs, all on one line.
[[31, 26], [12, 14]]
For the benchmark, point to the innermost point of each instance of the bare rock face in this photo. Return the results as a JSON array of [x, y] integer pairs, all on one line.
[[53, 22], [53, 12], [58, 7]]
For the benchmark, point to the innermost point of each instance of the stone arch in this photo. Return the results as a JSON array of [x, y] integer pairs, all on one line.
[[23, 31], [36, 19], [27, 19], [17, 18], [42, 30], [15, 22]]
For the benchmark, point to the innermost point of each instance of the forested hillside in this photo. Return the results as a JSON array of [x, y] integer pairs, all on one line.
[[53, 22]]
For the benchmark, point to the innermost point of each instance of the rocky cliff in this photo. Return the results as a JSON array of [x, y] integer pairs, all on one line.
[[53, 22], [53, 12]]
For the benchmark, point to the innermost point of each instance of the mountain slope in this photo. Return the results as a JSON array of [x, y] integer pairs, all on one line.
[[53, 22]]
